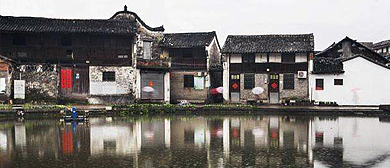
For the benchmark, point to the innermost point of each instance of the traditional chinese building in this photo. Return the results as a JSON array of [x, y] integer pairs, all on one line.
[[276, 63], [94, 59], [195, 64], [350, 73]]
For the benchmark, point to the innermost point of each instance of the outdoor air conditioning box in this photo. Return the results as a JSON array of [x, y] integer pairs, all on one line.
[[302, 74]]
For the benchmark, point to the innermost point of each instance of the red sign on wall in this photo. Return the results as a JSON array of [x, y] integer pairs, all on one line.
[[66, 78]]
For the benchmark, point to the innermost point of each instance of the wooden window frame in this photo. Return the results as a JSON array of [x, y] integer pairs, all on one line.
[[320, 84], [287, 83], [249, 81], [188, 81], [338, 82], [109, 76]]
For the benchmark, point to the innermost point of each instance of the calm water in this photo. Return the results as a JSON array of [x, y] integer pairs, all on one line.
[[185, 141]]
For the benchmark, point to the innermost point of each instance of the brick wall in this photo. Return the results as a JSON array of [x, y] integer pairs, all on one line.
[[178, 92], [246, 94], [300, 91]]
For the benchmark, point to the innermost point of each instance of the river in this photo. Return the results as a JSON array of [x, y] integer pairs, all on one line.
[[198, 141]]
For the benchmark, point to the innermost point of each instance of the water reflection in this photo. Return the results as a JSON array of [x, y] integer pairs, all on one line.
[[217, 141]]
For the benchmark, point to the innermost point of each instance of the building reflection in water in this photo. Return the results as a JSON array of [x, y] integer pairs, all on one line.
[[259, 141]]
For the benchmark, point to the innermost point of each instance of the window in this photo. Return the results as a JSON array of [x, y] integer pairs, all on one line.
[[147, 45], [66, 41], [18, 39], [235, 76], [108, 76], [288, 81], [187, 53], [199, 83], [248, 58], [319, 84], [288, 57], [22, 54], [338, 82], [69, 54], [249, 81], [188, 81], [123, 56]]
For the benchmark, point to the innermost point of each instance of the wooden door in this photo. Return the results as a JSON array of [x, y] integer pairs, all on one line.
[[235, 88], [74, 81], [273, 88]]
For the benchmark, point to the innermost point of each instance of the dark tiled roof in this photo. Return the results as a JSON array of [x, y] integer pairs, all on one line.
[[382, 44], [369, 45], [331, 59], [323, 65], [268, 43], [187, 40], [48, 25]]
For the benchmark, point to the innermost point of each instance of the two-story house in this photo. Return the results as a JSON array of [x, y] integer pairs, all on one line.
[[90, 59], [195, 59], [276, 63]]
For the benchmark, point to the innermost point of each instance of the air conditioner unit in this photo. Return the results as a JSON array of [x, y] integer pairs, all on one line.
[[302, 74]]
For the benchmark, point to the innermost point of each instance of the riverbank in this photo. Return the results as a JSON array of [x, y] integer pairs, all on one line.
[[217, 109]]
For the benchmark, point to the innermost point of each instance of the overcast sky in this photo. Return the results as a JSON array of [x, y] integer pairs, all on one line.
[[329, 20]]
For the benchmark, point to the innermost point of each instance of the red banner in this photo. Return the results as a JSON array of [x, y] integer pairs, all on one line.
[[69, 79], [66, 78], [63, 78]]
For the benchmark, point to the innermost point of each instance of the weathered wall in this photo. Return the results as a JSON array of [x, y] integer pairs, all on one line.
[[42, 81], [300, 90], [178, 92], [246, 94], [214, 54], [123, 84]]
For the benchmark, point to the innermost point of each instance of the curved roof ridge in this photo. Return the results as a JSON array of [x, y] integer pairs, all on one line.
[[160, 28]]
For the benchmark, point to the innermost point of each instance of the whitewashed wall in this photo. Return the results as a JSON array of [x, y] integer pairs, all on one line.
[[123, 84], [364, 83]]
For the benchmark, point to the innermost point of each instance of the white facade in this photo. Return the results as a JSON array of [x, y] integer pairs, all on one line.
[[364, 83]]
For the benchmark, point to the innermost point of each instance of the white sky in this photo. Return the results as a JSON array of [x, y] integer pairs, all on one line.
[[329, 20]]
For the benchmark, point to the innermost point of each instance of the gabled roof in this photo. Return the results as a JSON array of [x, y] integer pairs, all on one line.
[[331, 59], [381, 44], [49, 25], [128, 15], [269, 43], [188, 40], [327, 52]]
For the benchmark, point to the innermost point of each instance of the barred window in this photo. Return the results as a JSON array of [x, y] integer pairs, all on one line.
[[249, 81], [109, 76], [338, 81], [288, 81], [319, 84], [188, 81]]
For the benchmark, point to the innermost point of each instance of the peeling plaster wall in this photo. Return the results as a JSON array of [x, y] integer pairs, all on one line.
[[123, 84], [246, 94], [300, 91], [43, 79]]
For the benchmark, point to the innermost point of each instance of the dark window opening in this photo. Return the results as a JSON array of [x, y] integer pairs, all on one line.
[[108, 76], [69, 54], [66, 41], [188, 81], [248, 58], [319, 84], [187, 53], [19, 39], [22, 54], [288, 81], [338, 81], [288, 57], [249, 81]]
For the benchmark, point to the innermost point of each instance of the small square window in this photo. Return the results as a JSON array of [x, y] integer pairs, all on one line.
[[109, 76], [338, 82], [188, 81], [249, 81], [319, 84]]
